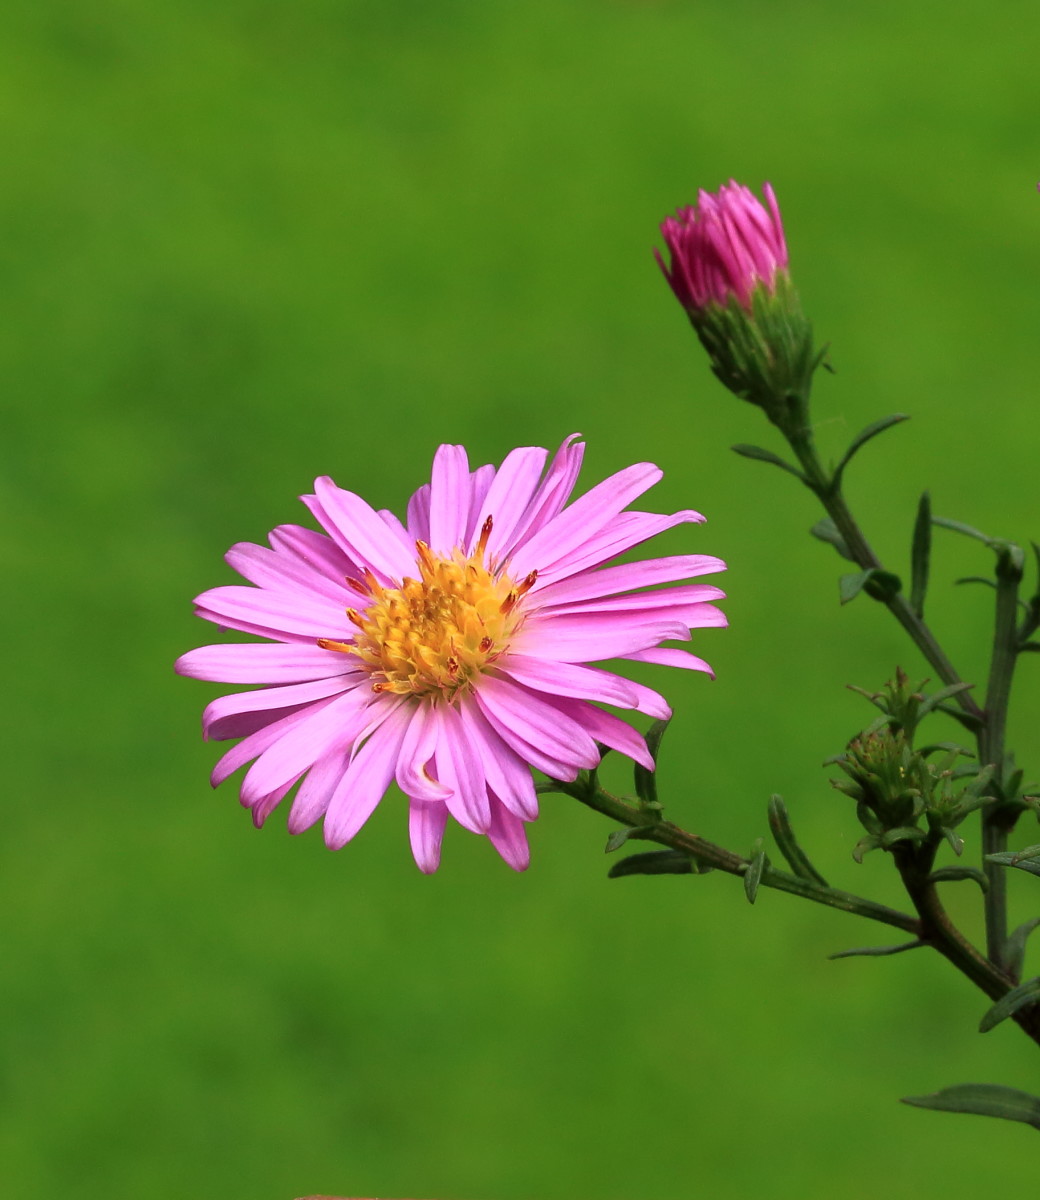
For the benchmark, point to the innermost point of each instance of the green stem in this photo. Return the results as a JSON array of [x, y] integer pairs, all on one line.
[[829, 493], [665, 833], [996, 822]]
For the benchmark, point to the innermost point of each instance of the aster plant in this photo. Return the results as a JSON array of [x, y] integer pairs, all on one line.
[[456, 650]]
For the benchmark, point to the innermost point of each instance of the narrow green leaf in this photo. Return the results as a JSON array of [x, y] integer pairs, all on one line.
[[1025, 993], [656, 862], [955, 874], [865, 435], [967, 719], [877, 951], [753, 874], [827, 531], [646, 781], [1015, 949], [960, 527], [783, 835], [767, 456], [616, 839], [937, 698], [920, 554], [850, 586], [976, 579], [984, 1100], [1006, 859]]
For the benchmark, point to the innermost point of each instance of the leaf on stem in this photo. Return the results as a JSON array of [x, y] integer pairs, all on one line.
[[783, 835], [646, 781], [879, 585], [753, 874], [1025, 993], [877, 951], [864, 436], [658, 862], [920, 554], [960, 527], [767, 456], [827, 531], [955, 874], [1025, 860], [985, 1100], [1015, 949]]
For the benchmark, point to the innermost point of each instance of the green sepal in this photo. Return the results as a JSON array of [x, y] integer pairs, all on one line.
[[755, 867], [658, 862], [920, 554], [984, 1100], [868, 819], [955, 840], [827, 531], [877, 951], [863, 437], [955, 874], [878, 584], [783, 835], [767, 456], [905, 833], [646, 781], [864, 846], [1015, 947], [1025, 993]]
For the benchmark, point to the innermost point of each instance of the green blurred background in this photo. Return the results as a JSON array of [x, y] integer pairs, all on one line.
[[243, 244]]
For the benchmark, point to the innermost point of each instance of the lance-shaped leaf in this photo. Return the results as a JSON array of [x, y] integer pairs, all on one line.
[[879, 584], [984, 1100], [1015, 948], [1026, 993], [753, 874], [827, 531], [646, 781], [618, 837], [937, 698], [658, 862], [955, 874], [864, 436], [767, 456], [1025, 860], [920, 554], [878, 951], [783, 835], [960, 527]]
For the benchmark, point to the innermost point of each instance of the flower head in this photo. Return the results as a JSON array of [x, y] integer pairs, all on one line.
[[724, 246], [448, 652]]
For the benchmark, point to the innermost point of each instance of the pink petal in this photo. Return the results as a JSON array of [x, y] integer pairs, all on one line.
[[663, 598], [259, 740], [267, 662], [667, 656], [426, 823], [314, 550], [627, 577], [606, 728], [589, 514], [263, 806], [366, 779], [418, 521], [568, 679], [279, 615], [594, 637], [508, 836], [356, 528], [218, 712], [317, 788], [508, 497], [286, 574], [417, 750], [333, 727], [459, 767], [508, 775], [534, 729], [449, 499]]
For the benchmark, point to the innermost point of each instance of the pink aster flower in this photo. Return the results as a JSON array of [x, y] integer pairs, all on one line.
[[725, 245], [448, 653]]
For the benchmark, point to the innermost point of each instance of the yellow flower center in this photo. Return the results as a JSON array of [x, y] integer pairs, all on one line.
[[435, 634]]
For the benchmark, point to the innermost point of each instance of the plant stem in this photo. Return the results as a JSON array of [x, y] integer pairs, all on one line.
[[665, 833], [828, 491], [997, 822]]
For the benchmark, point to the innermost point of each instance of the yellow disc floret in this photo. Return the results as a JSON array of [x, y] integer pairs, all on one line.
[[434, 635]]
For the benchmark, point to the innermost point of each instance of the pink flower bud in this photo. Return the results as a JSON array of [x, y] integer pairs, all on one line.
[[724, 246]]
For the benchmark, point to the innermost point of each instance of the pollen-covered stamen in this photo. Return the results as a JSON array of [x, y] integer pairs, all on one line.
[[436, 634]]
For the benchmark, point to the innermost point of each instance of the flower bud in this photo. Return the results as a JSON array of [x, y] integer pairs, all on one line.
[[729, 271]]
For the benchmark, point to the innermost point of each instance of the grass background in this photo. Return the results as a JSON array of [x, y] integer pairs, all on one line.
[[245, 244]]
